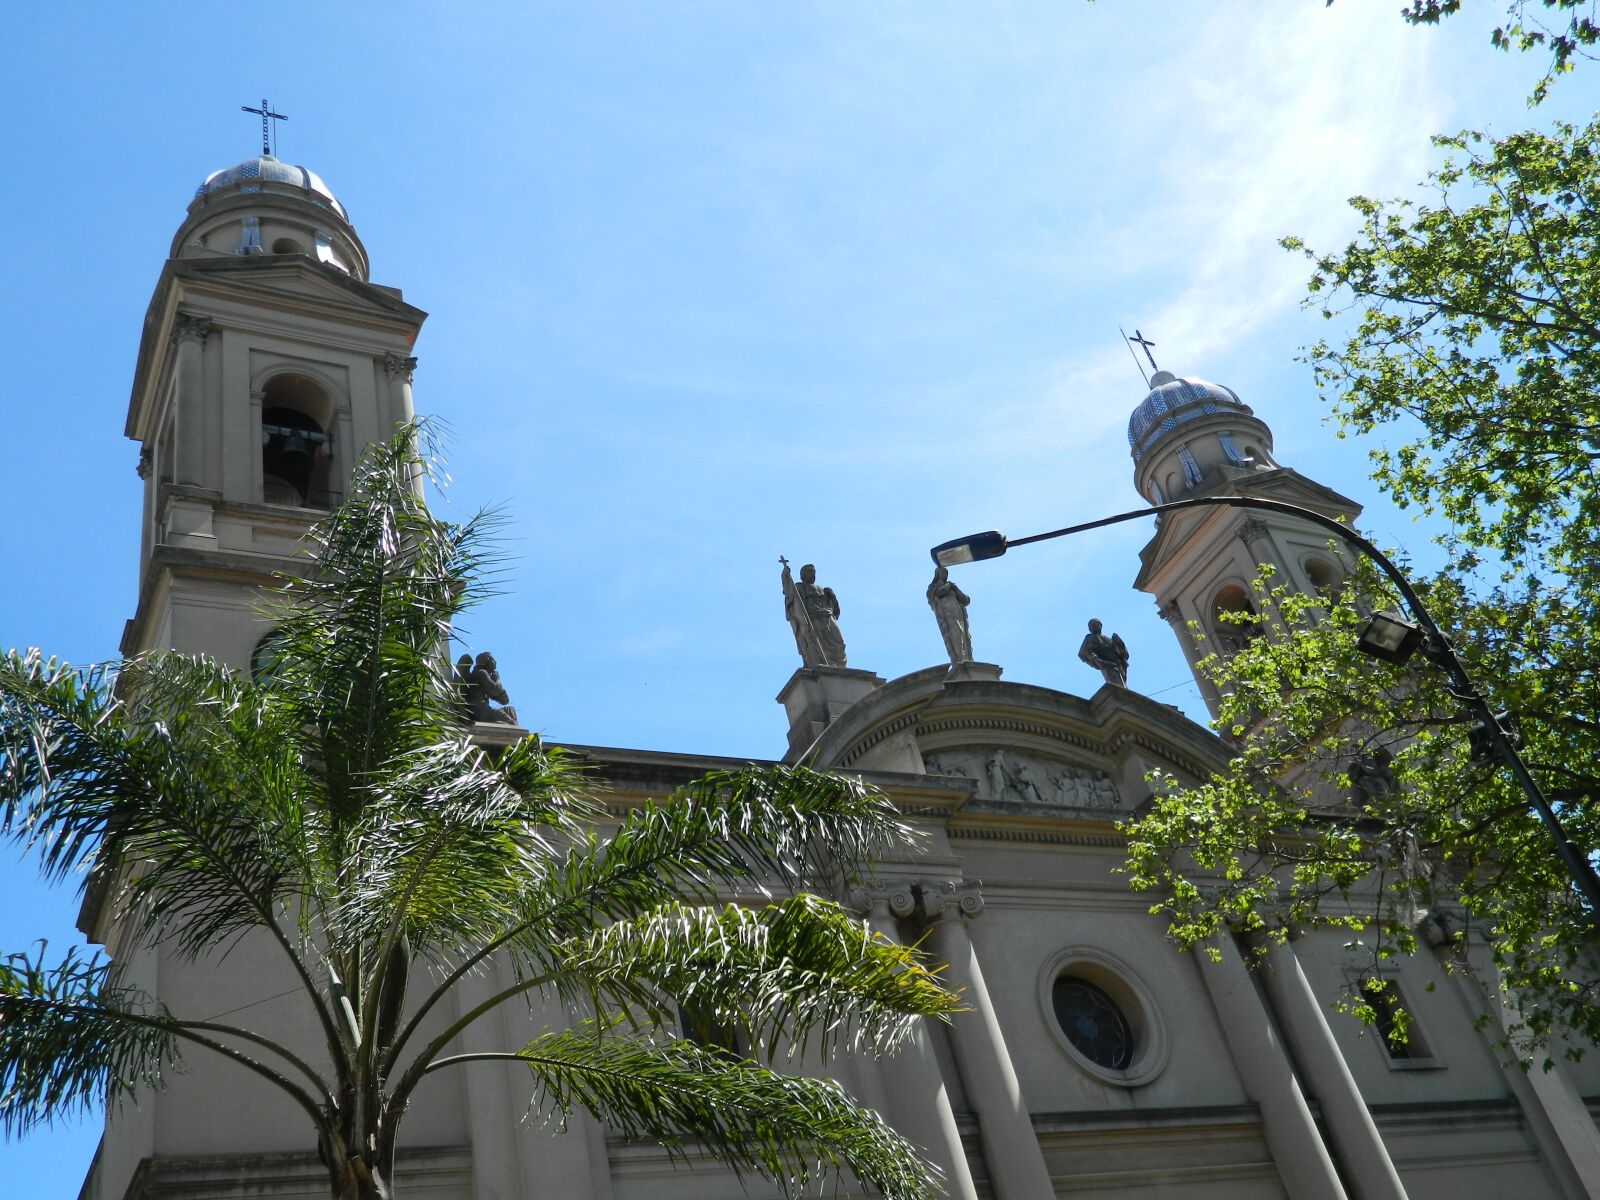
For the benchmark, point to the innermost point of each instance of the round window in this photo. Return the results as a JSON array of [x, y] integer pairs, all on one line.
[[1093, 1023], [1103, 1016]]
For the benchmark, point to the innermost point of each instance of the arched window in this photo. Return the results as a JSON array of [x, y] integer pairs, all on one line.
[[1322, 576], [264, 658], [1227, 607], [296, 447], [286, 245]]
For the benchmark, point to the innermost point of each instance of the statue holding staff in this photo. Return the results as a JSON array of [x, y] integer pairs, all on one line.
[[813, 614]]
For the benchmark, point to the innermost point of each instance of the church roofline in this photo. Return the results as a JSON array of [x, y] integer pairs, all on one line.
[[1105, 723]]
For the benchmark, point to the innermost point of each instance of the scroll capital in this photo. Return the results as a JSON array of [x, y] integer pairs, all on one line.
[[944, 898], [399, 366]]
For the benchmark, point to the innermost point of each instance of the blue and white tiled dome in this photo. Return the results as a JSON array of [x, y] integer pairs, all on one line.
[[249, 175], [1171, 402]]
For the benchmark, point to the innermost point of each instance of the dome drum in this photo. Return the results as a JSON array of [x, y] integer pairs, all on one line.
[[1187, 431]]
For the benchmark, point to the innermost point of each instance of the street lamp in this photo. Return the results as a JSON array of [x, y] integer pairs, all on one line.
[[1388, 635]]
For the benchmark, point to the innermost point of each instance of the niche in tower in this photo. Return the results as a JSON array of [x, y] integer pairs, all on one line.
[[296, 447], [1234, 620]]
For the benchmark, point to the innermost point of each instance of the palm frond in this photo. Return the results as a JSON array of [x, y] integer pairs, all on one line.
[[65, 1043], [361, 656], [744, 832], [442, 848], [782, 972], [694, 1101], [200, 791], [750, 831]]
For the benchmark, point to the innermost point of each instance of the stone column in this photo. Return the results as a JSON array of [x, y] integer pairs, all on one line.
[[1011, 1148], [188, 400], [908, 1084], [399, 368], [1362, 1154], [1557, 1116], [1291, 1133]]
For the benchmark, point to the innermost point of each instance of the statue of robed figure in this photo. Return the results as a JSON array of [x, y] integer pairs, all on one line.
[[813, 614], [949, 604]]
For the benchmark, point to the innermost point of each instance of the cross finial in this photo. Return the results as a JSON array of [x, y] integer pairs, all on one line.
[[267, 128], [1145, 344]]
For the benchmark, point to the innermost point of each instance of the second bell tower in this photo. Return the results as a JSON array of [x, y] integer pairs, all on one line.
[[1191, 438]]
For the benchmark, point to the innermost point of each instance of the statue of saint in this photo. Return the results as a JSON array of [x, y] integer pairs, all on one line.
[[949, 604], [813, 614], [1108, 655], [484, 690]]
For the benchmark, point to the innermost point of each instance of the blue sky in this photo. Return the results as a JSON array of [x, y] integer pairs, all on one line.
[[715, 282]]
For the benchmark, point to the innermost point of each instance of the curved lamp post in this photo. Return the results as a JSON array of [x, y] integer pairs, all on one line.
[[1387, 636]]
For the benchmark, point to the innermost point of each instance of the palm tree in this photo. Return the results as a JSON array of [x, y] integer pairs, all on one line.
[[338, 810]]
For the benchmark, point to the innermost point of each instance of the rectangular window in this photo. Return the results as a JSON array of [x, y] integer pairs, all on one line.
[[1392, 1012]]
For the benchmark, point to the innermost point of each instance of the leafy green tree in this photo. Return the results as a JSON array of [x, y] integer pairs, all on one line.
[[1475, 340], [1573, 33], [336, 813]]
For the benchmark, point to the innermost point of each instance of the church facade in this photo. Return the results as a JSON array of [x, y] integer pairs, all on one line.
[[1095, 1059]]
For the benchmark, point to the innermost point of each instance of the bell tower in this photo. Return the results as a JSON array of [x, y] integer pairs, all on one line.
[[268, 361], [1190, 438]]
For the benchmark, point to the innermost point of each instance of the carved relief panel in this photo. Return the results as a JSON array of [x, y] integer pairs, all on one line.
[[1012, 778]]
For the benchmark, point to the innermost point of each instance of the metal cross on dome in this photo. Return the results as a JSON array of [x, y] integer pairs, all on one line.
[[1142, 342], [267, 117]]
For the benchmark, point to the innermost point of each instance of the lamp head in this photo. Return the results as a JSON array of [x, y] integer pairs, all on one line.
[[972, 548], [1389, 636]]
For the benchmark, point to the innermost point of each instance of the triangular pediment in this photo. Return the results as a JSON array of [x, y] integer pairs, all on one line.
[[288, 279], [1180, 529]]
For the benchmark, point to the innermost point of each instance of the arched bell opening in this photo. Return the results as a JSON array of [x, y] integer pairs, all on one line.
[[1234, 619], [296, 445]]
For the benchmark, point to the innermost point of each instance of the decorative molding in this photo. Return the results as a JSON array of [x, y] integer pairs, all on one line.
[[146, 462], [189, 327], [1169, 612], [880, 733], [996, 832], [401, 366]]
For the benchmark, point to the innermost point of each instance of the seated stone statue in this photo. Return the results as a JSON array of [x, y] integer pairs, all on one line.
[[482, 690]]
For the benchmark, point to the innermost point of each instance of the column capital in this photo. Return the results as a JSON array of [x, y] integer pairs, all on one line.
[[879, 898], [188, 327], [1251, 530], [945, 898], [399, 366], [1169, 612]]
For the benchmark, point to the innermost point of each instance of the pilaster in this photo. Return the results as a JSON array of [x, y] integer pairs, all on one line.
[[1257, 1049], [1017, 1168], [908, 1084]]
